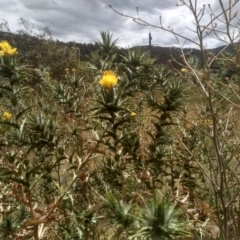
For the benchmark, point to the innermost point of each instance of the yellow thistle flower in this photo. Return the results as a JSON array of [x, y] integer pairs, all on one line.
[[108, 80], [7, 49], [208, 122], [184, 70], [6, 116], [133, 114]]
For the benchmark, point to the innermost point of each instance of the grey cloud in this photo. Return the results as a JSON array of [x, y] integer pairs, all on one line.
[[144, 5], [82, 20], [41, 5]]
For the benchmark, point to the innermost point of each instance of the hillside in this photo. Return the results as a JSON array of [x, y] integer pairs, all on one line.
[[163, 55]]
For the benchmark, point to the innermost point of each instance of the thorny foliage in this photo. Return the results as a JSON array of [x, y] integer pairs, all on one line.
[[139, 157]]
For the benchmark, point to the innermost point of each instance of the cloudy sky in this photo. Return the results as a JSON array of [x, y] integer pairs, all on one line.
[[82, 20]]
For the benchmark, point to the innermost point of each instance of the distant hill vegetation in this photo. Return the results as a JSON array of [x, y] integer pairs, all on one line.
[[163, 55]]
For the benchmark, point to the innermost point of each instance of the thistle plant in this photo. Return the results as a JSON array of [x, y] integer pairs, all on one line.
[[160, 220], [166, 104], [137, 65], [107, 46], [113, 113], [106, 57], [155, 218]]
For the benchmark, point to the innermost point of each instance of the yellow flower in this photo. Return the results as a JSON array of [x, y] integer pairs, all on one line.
[[208, 122], [184, 70], [6, 116], [108, 80], [133, 114], [7, 49], [1, 53]]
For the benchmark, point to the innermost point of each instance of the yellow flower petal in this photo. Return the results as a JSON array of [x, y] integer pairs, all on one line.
[[184, 70], [108, 80], [6, 116], [7, 49]]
